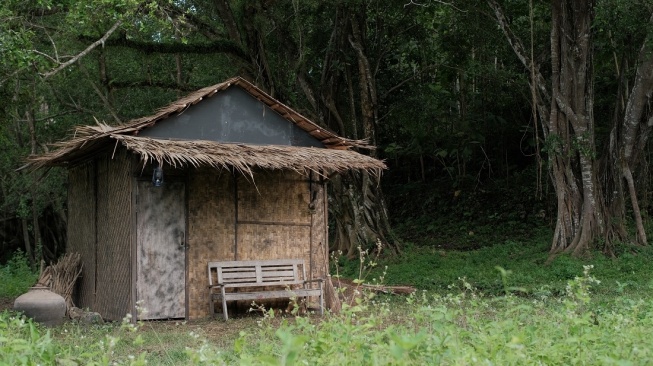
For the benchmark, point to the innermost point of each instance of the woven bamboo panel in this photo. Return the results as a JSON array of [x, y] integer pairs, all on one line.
[[273, 242], [274, 196], [319, 246], [114, 202], [81, 229], [211, 222]]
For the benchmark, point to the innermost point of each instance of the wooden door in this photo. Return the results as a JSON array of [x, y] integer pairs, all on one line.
[[161, 250]]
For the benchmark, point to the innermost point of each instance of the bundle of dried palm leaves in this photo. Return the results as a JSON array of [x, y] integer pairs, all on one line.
[[61, 276]]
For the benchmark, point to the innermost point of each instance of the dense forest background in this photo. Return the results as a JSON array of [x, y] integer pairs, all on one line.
[[493, 116]]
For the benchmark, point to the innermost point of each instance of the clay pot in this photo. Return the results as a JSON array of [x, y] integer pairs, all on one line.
[[42, 305]]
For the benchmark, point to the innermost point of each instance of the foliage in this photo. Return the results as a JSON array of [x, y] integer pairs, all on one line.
[[17, 276], [23, 342], [460, 327], [520, 320], [452, 99], [434, 263]]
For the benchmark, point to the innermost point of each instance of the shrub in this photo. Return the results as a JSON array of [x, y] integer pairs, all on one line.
[[17, 276]]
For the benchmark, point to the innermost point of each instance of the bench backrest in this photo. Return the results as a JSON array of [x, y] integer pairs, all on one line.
[[257, 273]]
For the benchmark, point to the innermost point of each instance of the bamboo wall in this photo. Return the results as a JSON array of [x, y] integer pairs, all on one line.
[[211, 220], [82, 229], [319, 256], [114, 235], [99, 229], [274, 220], [269, 219]]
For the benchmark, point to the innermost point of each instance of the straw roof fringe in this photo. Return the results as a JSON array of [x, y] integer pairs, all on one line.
[[197, 153], [246, 157], [336, 157]]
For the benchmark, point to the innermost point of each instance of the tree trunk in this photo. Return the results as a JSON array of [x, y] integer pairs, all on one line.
[[357, 202], [636, 127], [590, 209], [359, 214], [580, 210], [28, 245]]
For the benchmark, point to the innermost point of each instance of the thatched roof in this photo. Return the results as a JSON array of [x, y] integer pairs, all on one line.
[[336, 156]]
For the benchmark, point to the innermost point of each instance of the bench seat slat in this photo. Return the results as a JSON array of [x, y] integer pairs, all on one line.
[[276, 268], [276, 294], [238, 275], [260, 284]]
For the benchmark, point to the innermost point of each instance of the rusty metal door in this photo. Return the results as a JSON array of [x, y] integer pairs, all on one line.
[[161, 250]]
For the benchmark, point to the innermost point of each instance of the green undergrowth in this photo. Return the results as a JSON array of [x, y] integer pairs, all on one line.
[[435, 269], [16, 276], [468, 215], [462, 326]]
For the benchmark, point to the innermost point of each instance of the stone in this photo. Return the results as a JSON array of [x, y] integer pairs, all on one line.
[[85, 316]]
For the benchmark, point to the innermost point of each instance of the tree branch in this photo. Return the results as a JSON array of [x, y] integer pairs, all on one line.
[[217, 46], [401, 83], [519, 48], [83, 53]]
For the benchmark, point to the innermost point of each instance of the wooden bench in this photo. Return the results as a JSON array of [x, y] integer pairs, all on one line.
[[278, 276]]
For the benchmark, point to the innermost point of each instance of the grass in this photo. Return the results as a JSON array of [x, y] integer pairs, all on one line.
[[497, 304], [433, 268], [461, 327]]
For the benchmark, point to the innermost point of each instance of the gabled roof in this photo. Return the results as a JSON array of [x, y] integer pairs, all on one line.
[[336, 156]]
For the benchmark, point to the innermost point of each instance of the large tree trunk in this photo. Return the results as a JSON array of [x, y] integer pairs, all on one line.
[[636, 128], [590, 194], [359, 214], [580, 210]]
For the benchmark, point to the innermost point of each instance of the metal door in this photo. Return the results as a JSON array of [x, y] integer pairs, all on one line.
[[161, 250]]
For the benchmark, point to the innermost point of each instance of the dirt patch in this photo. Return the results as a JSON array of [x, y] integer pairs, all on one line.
[[6, 303]]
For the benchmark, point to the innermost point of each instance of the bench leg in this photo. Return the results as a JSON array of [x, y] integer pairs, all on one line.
[[224, 305], [211, 305], [321, 300]]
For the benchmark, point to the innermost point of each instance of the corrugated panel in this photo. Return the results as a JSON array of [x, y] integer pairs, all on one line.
[[233, 116], [81, 229], [211, 216], [113, 287]]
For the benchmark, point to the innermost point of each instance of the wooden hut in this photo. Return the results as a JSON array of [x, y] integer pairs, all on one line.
[[225, 173]]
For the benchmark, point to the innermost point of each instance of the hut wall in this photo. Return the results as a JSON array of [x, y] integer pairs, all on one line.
[[319, 255], [274, 220], [211, 222], [114, 235], [82, 229], [234, 218]]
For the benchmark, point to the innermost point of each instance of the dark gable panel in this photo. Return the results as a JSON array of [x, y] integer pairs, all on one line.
[[232, 116]]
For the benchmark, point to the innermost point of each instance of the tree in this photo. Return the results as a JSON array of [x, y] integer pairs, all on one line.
[[588, 210]]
